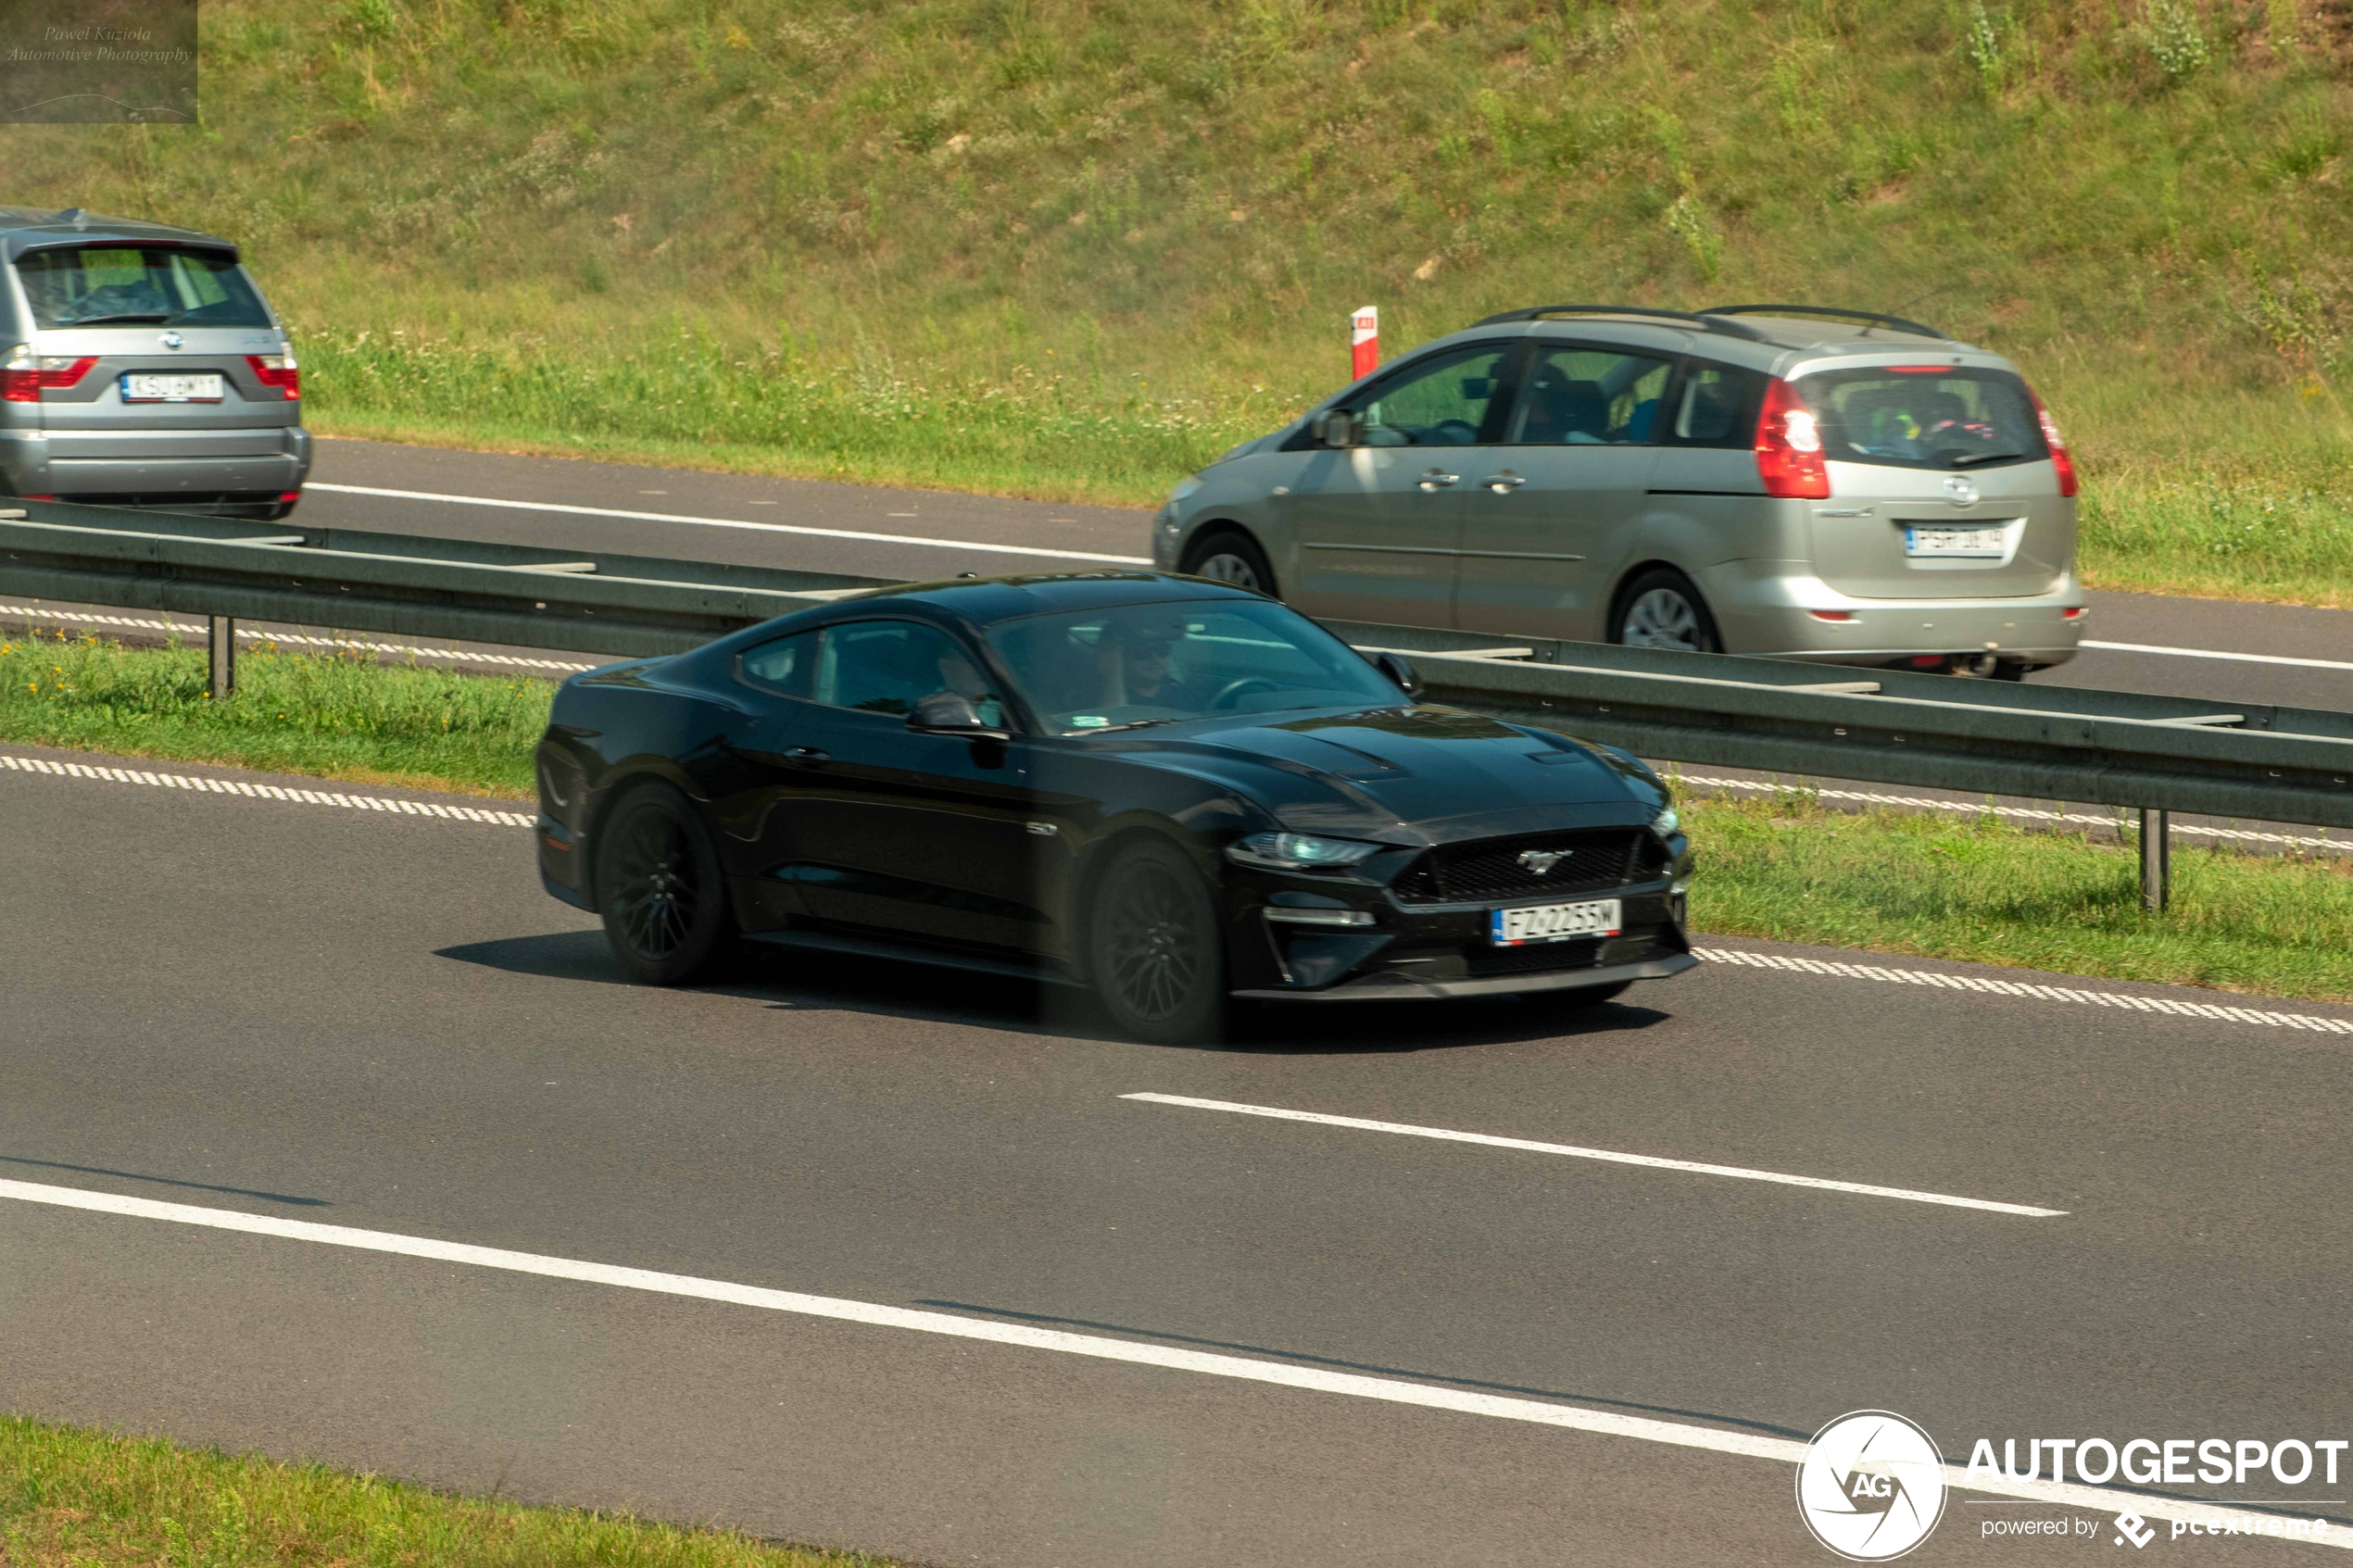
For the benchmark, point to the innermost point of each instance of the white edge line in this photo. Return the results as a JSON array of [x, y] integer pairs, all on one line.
[[1739, 1172], [733, 522], [1242, 1368], [2217, 653]]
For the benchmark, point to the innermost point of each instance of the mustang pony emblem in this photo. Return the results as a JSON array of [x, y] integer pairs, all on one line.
[[1541, 860]]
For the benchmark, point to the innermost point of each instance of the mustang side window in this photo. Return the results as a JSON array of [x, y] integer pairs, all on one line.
[[781, 666], [889, 666]]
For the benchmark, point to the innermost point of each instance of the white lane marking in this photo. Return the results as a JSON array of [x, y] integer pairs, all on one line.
[[2019, 813], [2217, 653], [1390, 1390], [203, 785], [735, 522], [2130, 1003], [1740, 1172], [196, 628]]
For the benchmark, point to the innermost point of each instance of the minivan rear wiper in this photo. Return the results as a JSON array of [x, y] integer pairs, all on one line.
[[150, 317], [1963, 460]]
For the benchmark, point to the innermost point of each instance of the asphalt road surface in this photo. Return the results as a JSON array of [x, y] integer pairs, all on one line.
[[2211, 648], [278, 1013]]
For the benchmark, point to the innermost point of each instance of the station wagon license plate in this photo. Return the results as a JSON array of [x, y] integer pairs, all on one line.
[[1977, 542], [1554, 922], [141, 388]]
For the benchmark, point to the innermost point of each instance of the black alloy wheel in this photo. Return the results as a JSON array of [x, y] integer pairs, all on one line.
[[1154, 950], [659, 887], [1229, 555]]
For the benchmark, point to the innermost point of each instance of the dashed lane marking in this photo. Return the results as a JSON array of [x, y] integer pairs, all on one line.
[[390, 805], [2122, 1000], [245, 633], [916, 539], [1690, 1167], [1310, 1379]]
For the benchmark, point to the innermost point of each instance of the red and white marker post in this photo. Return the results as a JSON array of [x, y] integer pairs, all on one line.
[[1364, 341]]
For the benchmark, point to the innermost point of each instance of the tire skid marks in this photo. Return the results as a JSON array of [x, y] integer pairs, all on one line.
[[2124, 1000], [388, 804]]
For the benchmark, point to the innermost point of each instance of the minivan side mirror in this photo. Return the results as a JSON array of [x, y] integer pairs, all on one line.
[[1334, 427], [1398, 667], [950, 713]]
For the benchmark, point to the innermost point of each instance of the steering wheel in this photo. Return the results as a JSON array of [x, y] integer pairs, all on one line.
[[1233, 691], [1453, 433]]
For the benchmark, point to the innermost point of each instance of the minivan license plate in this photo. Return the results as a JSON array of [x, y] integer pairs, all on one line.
[[138, 388], [1953, 541], [1554, 922]]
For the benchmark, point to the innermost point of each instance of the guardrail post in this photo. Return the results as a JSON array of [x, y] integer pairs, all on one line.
[[2156, 859], [221, 657]]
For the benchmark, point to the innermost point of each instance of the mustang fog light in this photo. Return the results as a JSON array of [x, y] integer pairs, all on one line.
[[1318, 916], [1298, 852]]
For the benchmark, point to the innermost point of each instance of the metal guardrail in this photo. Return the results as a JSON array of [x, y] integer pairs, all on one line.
[[2155, 753]]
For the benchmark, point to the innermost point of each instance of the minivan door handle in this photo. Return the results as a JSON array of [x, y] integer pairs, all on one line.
[[1504, 483], [1438, 479]]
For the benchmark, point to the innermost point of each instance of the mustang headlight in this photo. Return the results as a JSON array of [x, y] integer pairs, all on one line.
[[1298, 852], [1667, 824]]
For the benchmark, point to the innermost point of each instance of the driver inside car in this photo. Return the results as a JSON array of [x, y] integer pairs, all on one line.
[[1138, 672], [958, 674]]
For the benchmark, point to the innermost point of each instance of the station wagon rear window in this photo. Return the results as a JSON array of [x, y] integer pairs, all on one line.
[[1924, 416], [104, 285]]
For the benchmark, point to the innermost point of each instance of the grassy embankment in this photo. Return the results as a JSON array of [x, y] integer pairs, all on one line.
[[1783, 869], [1071, 249], [81, 1499]]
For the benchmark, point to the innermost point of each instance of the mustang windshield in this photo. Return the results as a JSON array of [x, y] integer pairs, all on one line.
[[1158, 663]]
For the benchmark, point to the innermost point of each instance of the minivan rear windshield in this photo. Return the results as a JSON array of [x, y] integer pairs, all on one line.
[[1927, 416], [118, 285]]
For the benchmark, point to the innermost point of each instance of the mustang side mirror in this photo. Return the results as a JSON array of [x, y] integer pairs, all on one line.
[[1400, 670], [950, 713], [1336, 427]]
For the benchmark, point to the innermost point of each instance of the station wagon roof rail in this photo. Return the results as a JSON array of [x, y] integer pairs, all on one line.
[[1705, 323], [1869, 318]]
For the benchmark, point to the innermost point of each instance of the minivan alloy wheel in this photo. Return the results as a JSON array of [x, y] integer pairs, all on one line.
[[1664, 618], [1226, 567]]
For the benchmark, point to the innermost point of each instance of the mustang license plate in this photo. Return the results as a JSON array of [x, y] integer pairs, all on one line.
[[1977, 542], [1554, 922], [140, 388]]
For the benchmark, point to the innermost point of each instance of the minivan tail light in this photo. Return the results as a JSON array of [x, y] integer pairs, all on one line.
[[2051, 438], [278, 370], [27, 375], [1789, 447]]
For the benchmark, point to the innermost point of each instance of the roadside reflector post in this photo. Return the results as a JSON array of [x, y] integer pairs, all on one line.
[[2157, 860], [221, 657], [1364, 341]]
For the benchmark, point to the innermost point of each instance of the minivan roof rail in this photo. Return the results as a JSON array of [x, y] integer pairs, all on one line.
[[1870, 317], [1701, 319]]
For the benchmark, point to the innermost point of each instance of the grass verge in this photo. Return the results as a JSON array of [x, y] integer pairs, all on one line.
[[73, 1499], [1983, 891], [1785, 868], [335, 716]]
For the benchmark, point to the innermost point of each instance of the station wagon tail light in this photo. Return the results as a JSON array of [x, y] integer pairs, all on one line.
[[2051, 438], [278, 370], [27, 375], [1789, 447]]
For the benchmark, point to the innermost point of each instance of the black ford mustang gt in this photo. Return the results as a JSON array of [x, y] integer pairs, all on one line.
[[1168, 789]]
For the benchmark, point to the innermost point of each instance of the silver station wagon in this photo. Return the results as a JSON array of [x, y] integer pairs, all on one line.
[[140, 367], [1787, 481]]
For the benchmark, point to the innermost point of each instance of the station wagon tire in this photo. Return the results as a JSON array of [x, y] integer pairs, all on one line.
[[1230, 556], [659, 886], [1661, 609], [1155, 951]]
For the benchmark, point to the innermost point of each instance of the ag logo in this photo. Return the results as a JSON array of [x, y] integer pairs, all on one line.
[[1871, 1486]]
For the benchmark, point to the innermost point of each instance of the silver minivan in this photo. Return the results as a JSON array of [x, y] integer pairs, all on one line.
[[1785, 481], [140, 366]]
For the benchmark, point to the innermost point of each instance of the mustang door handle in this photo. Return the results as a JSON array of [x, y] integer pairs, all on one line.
[[1438, 479], [807, 756], [1503, 482]]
